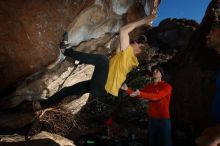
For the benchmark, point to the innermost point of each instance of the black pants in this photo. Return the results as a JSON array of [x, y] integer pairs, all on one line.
[[95, 86]]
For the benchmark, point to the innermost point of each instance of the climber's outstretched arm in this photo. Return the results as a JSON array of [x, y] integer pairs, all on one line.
[[125, 30]]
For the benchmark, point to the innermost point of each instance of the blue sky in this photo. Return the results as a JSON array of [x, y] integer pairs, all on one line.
[[190, 9]]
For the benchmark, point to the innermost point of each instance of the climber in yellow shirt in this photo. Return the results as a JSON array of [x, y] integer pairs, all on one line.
[[108, 75]]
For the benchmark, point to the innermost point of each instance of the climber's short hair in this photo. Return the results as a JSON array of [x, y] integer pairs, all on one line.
[[140, 39]]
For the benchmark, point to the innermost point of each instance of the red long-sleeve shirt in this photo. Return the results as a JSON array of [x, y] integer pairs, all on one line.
[[159, 97]]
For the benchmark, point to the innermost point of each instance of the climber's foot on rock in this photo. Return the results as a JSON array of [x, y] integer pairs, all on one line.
[[64, 43]]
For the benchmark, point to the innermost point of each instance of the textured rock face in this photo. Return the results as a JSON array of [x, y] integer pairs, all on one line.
[[32, 30], [210, 137], [36, 29], [41, 139], [15, 120], [194, 78], [172, 35], [61, 76], [31, 45], [102, 17]]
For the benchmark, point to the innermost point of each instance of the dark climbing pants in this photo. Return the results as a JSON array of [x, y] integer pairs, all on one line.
[[95, 86], [159, 132]]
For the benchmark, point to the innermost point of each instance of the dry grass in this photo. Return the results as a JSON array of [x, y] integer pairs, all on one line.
[[55, 120]]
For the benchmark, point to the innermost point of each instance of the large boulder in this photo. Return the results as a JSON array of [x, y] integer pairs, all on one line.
[[194, 72], [172, 35], [41, 139], [31, 34], [31, 57], [31, 31], [210, 137]]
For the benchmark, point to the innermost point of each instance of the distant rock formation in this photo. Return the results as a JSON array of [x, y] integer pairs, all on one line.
[[194, 72]]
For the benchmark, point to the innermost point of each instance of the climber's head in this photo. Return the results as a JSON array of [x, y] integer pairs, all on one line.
[[139, 45], [138, 48]]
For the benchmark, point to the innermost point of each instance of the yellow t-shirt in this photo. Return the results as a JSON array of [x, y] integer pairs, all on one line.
[[119, 66]]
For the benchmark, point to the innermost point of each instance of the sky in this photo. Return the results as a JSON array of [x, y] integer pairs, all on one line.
[[190, 9]]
